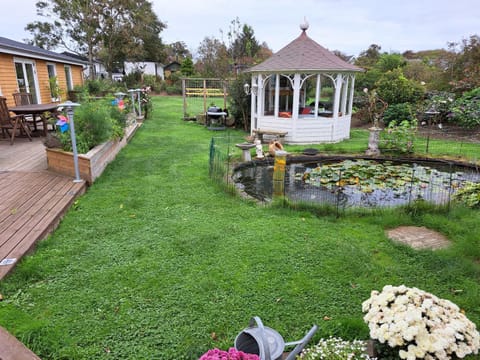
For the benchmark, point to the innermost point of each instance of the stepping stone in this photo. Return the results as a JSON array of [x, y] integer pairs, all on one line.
[[418, 237]]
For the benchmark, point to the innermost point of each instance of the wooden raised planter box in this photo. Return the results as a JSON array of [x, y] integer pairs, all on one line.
[[92, 164]]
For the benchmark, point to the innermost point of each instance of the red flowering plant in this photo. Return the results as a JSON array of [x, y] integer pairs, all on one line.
[[231, 354]]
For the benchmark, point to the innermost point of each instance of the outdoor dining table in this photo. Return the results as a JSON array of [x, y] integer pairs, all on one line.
[[35, 109]]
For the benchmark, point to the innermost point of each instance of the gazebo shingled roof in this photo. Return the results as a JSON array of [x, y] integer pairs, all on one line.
[[305, 55]]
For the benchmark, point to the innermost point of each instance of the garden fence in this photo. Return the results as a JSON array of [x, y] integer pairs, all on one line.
[[200, 93]]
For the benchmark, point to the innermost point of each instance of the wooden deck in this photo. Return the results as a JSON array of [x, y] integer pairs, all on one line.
[[32, 203], [23, 155]]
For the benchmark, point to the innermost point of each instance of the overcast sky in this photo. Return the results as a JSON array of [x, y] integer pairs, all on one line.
[[346, 25]]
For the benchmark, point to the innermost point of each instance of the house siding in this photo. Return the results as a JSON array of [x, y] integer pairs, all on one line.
[[77, 75], [8, 78], [43, 83]]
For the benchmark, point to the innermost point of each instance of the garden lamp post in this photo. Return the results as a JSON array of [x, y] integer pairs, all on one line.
[[253, 90], [139, 92], [132, 91], [119, 95], [70, 110]]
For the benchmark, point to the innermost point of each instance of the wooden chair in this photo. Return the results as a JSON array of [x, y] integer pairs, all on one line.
[[10, 123], [25, 98], [22, 98]]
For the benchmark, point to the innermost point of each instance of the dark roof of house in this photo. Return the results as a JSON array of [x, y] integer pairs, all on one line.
[[304, 54], [75, 56], [174, 65], [18, 48]]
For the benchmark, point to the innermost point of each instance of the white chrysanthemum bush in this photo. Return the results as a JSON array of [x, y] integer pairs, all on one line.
[[419, 325]]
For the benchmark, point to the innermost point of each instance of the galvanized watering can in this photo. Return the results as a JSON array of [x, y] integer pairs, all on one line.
[[268, 343]]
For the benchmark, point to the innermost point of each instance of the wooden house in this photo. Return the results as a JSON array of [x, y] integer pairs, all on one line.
[[47, 75]]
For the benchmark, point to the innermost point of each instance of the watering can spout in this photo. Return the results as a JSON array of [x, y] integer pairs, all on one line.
[[301, 343]]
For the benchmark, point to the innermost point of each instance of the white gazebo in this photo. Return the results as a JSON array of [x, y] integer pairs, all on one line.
[[305, 91]]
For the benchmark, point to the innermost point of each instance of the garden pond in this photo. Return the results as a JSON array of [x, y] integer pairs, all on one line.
[[358, 182]]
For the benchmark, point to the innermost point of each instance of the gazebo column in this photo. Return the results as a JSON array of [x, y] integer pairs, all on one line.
[[260, 95], [296, 101], [271, 95], [277, 94], [344, 96], [352, 91], [317, 94], [253, 109], [336, 100]]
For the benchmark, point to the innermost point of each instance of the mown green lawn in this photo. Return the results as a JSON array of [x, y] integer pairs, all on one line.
[[157, 262]]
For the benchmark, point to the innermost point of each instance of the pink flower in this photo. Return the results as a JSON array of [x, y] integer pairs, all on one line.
[[232, 354]]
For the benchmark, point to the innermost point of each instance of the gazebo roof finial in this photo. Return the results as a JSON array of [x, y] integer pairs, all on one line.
[[304, 26]]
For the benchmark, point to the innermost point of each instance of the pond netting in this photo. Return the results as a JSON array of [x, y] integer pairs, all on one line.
[[358, 182], [345, 181]]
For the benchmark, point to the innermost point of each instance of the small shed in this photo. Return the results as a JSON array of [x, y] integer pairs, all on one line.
[[171, 68], [303, 90]]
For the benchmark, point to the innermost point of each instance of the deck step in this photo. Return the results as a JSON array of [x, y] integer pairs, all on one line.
[[12, 349]]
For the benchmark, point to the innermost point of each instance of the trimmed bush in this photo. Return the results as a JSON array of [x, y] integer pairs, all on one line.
[[394, 88], [399, 113]]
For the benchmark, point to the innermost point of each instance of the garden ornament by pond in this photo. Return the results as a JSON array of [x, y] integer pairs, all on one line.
[[274, 146], [259, 149], [376, 108], [267, 343], [245, 147]]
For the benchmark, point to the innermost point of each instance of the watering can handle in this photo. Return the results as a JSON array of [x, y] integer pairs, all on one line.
[[266, 346], [301, 344]]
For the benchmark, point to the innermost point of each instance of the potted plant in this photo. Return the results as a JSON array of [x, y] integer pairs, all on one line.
[[55, 90], [231, 354], [413, 324]]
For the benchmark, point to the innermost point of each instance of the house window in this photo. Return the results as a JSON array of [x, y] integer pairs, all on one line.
[[27, 77], [68, 77], [52, 71], [52, 80]]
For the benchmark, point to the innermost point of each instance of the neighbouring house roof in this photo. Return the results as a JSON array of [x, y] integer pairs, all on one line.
[[13, 47], [304, 55], [174, 65]]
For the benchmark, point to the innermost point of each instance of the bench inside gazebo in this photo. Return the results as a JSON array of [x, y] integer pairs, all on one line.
[[303, 91]]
